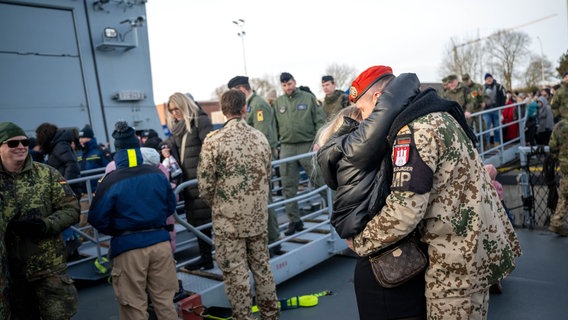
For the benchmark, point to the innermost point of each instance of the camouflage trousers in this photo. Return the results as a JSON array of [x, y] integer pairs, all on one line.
[[559, 220], [51, 298], [235, 256], [472, 307]]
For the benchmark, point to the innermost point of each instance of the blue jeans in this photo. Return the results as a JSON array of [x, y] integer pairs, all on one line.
[[492, 120]]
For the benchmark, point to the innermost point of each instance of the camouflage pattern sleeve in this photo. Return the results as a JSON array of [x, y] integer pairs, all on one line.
[[471, 242], [406, 205], [65, 207], [206, 169]]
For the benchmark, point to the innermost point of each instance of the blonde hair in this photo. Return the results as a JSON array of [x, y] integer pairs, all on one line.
[[188, 108], [336, 122]]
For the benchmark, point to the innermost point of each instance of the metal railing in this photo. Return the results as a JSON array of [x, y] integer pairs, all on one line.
[[92, 236]]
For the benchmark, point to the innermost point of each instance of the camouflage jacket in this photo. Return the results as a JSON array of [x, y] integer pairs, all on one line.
[[332, 104], [559, 102], [557, 145], [459, 95], [260, 115], [474, 102], [439, 184], [38, 191], [233, 176]]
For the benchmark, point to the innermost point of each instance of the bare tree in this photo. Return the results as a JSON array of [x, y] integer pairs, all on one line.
[[506, 49], [463, 56], [343, 74], [539, 70]]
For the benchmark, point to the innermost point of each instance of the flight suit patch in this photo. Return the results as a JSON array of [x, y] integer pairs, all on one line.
[[282, 109], [410, 173], [248, 109], [302, 107], [259, 116]]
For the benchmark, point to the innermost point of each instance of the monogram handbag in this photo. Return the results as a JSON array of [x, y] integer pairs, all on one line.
[[399, 263]]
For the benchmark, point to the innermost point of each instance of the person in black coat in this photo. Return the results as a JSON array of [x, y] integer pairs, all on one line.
[[189, 126]]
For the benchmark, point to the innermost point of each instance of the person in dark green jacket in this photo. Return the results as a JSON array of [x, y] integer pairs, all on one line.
[[298, 118], [36, 205]]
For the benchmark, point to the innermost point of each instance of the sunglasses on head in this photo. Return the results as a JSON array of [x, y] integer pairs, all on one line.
[[16, 143]]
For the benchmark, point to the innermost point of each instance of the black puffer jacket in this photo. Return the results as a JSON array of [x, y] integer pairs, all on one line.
[[62, 157], [350, 162], [195, 206]]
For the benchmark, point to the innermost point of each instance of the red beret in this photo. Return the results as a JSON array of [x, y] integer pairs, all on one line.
[[366, 79]]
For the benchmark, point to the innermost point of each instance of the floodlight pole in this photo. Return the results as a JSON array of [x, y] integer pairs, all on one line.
[[241, 24]]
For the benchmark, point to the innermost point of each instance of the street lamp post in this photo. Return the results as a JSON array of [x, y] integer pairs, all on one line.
[[541, 60], [241, 24]]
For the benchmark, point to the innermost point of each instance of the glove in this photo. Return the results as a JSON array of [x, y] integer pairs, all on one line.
[[30, 227]]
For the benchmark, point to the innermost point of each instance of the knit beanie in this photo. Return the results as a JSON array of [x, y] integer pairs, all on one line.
[[86, 132], [487, 75], [9, 130], [124, 136]]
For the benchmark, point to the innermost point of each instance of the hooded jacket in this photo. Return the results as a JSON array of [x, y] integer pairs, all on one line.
[[132, 204], [63, 158]]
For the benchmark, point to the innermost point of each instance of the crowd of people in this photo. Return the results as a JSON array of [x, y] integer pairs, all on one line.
[[387, 149]]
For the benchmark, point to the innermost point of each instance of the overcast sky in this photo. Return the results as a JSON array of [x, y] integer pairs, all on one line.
[[195, 48]]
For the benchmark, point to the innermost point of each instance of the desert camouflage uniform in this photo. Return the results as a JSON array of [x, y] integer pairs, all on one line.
[[260, 115], [474, 104], [233, 174], [559, 102], [559, 149], [36, 267], [471, 243]]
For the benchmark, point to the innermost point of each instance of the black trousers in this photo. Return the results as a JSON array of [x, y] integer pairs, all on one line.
[[374, 302]]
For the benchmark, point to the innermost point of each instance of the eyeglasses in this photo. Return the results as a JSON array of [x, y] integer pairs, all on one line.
[[16, 143]]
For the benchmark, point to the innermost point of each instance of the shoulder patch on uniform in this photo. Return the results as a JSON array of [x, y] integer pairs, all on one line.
[[259, 116], [410, 173]]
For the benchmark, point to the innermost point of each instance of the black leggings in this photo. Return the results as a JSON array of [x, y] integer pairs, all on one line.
[[377, 303]]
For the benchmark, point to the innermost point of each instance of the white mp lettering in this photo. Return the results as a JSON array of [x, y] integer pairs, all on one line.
[[400, 178]]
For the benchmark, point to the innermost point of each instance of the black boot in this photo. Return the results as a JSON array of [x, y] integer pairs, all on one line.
[[293, 227], [201, 264]]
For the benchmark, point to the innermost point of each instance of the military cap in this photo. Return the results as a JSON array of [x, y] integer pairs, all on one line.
[[366, 79], [445, 80], [285, 77], [452, 77], [465, 77], [326, 79], [237, 81], [9, 130]]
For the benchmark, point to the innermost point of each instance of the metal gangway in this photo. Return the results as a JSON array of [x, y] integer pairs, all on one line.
[[302, 250]]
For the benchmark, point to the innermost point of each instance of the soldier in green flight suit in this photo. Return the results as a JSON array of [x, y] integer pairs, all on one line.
[[298, 118], [260, 115]]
